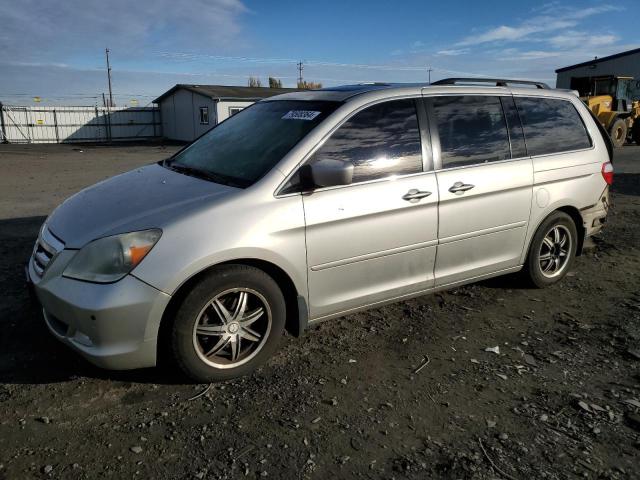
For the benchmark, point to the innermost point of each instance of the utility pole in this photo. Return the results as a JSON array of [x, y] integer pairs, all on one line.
[[300, 68], [429, 70], [109, 78]]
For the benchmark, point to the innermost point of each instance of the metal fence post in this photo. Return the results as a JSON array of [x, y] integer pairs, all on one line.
[[27, 119], [108, 121], [97, 122], [3, 130], [55, 125], [106, 125]]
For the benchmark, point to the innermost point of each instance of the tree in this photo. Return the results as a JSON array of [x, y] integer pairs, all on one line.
[[275, 82], [254, 82], [304, 85]]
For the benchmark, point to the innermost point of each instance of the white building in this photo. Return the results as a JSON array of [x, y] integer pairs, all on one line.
[[187, 111], [624, 64]]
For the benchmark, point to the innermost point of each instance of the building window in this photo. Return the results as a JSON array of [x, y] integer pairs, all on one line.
[[234, 110], [204, 115]]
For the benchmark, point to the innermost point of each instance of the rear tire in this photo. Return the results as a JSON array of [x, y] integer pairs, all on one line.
[[552, 250], [229, 324], [618, 132]]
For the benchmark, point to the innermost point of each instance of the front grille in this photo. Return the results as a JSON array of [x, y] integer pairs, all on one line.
[[46, 248]]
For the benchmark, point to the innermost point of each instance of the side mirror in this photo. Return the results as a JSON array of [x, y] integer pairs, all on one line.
[[330, 173]]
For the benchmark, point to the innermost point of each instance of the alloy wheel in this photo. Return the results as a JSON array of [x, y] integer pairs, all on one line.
[[555, 251], [232, 328]]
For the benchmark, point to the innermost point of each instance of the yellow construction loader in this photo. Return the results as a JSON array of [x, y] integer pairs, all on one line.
[[608, 97]]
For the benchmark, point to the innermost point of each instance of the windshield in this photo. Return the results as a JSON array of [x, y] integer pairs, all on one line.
[[243, 148]]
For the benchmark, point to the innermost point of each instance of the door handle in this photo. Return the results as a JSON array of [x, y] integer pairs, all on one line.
[[459, 188], [415, 195]]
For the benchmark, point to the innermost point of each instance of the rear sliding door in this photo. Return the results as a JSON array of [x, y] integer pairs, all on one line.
[[484, 185]]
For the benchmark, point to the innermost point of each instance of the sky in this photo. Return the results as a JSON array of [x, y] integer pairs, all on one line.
[[55, 49]]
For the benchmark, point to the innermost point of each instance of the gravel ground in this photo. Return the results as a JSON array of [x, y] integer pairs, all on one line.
[[404, 391]]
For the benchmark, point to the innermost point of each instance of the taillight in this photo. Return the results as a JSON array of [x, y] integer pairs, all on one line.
[[607, 172]]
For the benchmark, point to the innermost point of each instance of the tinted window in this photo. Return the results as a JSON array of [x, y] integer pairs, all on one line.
[[380, 141], [516, 135], [248, 144], [551, 126], [472, 130]]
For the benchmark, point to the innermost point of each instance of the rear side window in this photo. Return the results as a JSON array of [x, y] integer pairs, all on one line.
[[551, 125], [381, 141], [472, 130]]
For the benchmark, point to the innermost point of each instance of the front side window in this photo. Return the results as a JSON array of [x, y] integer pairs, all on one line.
[[380, 141], [472, 130], [204, 115], [551, 125], [243, 148]]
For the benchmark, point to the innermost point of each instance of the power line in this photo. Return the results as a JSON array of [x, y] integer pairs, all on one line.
[[315, 63]]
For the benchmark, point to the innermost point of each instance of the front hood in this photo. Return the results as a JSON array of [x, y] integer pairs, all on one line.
[[147, 197]]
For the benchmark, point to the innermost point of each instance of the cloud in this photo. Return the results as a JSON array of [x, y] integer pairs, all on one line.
[[573, 39], [37, 31], [552, 18], [513, 54], [454, 52]]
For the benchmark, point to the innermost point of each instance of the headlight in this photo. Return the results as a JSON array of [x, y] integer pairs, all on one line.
[[108, 259]]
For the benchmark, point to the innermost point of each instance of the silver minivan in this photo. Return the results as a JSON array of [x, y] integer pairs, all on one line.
[[314, 204]]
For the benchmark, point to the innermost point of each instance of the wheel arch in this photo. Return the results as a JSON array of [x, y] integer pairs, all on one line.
[[575, 215], [297, 315]]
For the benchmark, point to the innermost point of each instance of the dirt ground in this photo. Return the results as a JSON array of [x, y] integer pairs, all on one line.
[[404, 391]]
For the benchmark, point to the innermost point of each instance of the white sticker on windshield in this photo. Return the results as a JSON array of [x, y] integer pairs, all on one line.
[[300, 115]]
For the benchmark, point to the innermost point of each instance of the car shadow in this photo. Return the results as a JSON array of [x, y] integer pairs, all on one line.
[[512, 281], [29, 354], [626, 183]]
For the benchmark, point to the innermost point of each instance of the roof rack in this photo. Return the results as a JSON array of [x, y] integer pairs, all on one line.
[[499, 82]]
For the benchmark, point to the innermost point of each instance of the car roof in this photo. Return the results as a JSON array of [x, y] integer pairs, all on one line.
[[341, 93], [345, 93]]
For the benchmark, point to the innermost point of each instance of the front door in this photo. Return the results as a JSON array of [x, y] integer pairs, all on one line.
[[374, 239], [485, 182]]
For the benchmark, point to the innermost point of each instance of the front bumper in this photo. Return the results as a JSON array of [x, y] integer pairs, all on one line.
[[114, 326]]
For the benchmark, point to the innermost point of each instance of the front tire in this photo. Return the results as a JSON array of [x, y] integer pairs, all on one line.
[[229, 324], [552, 250]]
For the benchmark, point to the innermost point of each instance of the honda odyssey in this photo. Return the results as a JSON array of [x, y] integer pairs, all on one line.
[[314, 204]]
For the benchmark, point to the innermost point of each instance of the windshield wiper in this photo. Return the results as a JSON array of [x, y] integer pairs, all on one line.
[[205, 175]]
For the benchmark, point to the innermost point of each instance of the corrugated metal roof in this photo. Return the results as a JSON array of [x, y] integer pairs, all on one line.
[[228, 92], [598, 60]]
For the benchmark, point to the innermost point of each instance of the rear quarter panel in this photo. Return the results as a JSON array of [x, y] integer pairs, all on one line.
[[569, 179]]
